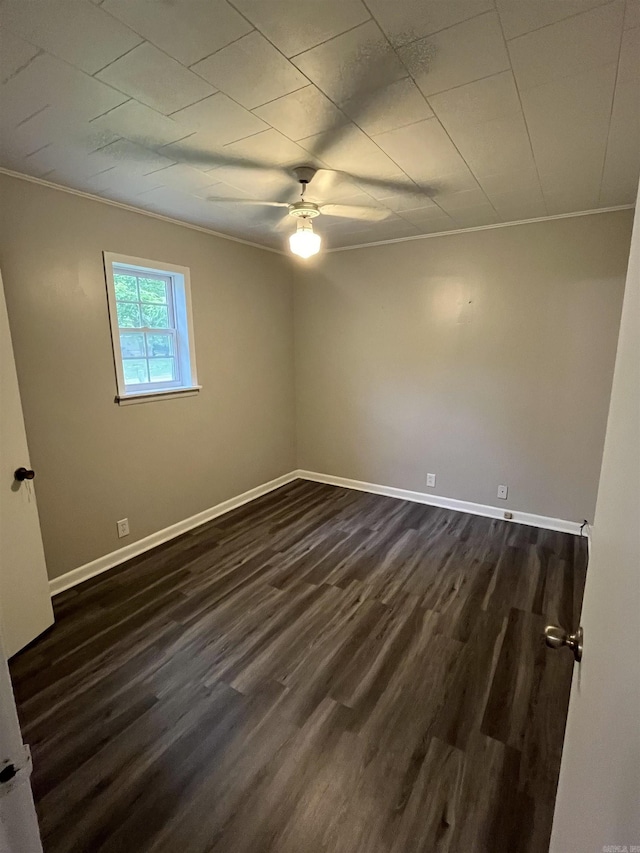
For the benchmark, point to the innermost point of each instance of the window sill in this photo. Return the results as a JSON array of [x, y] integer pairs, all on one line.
[[153, 396]]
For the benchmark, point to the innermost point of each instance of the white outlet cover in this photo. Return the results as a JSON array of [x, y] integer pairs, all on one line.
[[123, 527], [503, 491], [431, 479]]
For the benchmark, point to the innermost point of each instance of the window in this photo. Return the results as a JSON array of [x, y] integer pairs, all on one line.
[[151, 328]]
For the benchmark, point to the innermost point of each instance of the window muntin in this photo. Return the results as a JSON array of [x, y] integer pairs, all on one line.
[[151, 327], [147, 328]]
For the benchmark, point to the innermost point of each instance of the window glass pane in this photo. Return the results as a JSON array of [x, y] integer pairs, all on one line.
[[135, 371], [162, 369], [126, 287], [155, 316], [160, 345], [128, 315], [132, 346], [152, 290]]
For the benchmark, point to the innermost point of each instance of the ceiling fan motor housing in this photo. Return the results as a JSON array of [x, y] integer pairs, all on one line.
[[304, 174], [306, 209]]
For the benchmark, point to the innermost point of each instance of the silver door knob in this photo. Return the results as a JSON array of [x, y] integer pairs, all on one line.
[[555, 637]]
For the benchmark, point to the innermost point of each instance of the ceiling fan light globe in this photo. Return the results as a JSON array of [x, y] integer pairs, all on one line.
[[304, 242]]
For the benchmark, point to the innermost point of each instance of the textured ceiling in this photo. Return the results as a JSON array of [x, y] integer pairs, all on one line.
[[443, 114]]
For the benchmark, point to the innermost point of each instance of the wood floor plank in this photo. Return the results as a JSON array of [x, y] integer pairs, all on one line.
[[318, 671]]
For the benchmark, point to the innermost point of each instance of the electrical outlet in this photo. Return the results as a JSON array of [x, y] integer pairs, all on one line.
[[123, 527], [431, 480], [503, 491]]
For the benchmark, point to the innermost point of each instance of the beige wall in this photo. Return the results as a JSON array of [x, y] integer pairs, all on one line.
[[484, 357], [155, 463]]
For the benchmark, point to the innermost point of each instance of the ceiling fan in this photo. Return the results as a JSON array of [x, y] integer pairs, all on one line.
[[304, 241]]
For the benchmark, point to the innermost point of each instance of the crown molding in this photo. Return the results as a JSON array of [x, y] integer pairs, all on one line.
[[482, 228], [131, 208]]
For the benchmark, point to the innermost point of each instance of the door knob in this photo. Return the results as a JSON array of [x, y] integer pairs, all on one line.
[[555, 637], [24, 474]]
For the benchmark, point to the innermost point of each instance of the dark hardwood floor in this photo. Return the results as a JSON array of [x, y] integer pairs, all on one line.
[[319, 670]]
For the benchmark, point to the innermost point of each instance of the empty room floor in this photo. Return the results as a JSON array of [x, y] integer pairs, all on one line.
[[319, 670]]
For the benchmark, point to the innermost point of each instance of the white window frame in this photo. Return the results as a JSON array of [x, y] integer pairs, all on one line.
[[179, 287]]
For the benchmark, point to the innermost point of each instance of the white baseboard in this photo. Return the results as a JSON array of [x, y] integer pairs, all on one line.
[[447, 503], [115, 558]]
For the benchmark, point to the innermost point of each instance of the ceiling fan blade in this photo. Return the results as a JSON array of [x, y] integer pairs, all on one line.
[[352, 211], [251, 201]]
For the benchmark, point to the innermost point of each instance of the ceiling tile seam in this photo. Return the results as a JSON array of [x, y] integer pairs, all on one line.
[[111, 109], [442, 30], [559, 77], [524, 117], [600, 5], [104, 67], [161, 49], [88, 153], [159, 148], [162, 169], [462, 85], [221, 91], [253, 29], [110, 168], [258, 133], [170, 166], [336, 36], [403, 216], [39, 52], [42, 50], [275, 47], [411, 77], [613, 99], [37, 150], [130, 98], [298, 142], [107, 144], [156, 149], [471, 172], [199, 101], [548, 218], [33, 115], [142, 211], [84, 74], [277, 98]]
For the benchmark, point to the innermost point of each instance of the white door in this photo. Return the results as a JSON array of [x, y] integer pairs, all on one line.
[[25, 603], [18, 823], [598, 804]]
